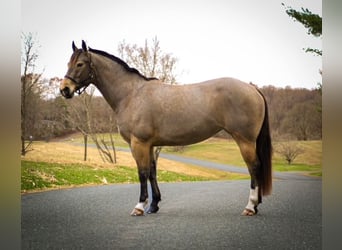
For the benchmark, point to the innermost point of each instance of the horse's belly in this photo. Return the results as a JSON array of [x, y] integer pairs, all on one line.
[[184, 135]]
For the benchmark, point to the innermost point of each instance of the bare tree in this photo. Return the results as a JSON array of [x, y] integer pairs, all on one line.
[[80, 115], [289, 150], [107, 152], [29, 83], [83, 119], [151, 61]]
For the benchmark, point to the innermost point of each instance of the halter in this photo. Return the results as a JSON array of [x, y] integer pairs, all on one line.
[[81, 86]]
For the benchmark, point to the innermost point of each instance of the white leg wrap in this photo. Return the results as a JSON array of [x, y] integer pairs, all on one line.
[[253, 199], [141, 205], [139, 209]]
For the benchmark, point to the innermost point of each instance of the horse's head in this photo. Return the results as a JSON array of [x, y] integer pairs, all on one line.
[[80, 72]]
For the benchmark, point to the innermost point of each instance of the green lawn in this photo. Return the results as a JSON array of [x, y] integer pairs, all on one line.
[[42, 175]]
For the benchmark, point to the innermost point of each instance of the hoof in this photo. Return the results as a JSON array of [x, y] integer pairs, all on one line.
[[137, 212], [248, 212], [153, 210]]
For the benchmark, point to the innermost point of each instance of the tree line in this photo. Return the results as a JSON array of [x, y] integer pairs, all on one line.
[[294, 113]]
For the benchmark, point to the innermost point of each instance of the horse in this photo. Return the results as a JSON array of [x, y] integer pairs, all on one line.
[[150, 113]]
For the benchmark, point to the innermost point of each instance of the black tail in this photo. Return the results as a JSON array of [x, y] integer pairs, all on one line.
[[264, 152]]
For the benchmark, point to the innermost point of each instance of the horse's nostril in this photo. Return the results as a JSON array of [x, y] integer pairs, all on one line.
[[66, 92]]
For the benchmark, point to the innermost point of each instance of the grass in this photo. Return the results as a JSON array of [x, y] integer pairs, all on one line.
[[78, 138], [43, 175], [60, 164], [215, 150], [310, 161], [227, 152]]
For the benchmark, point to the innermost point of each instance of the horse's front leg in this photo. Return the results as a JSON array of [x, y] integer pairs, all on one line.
[[141, 154], [139, 209]]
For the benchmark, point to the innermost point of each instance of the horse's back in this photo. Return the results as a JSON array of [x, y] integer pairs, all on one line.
[[198, 111]]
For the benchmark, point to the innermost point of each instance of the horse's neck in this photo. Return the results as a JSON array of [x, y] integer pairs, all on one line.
[[113, 81]]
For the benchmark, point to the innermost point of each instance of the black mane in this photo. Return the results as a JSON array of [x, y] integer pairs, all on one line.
[[122, 63]]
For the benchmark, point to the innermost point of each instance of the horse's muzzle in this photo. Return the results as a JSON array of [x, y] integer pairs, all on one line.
[[66, 92]]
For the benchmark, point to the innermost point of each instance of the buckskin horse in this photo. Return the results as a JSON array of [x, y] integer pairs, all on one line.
[[150, 113]]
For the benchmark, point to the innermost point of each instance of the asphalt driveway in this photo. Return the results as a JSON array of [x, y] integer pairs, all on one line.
[[198, 215]]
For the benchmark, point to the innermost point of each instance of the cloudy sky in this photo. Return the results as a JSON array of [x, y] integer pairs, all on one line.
[[254, 41]]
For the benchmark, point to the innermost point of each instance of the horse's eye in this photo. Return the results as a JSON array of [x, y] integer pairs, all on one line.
[[78, 65]]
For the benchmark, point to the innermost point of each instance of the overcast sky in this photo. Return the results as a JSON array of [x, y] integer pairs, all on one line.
[[254, 41]]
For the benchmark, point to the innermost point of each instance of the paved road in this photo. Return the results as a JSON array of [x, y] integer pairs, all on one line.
[[230, 168], [199, 215]]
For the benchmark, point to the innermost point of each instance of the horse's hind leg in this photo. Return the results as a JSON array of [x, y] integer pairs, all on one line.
[[248, 152]]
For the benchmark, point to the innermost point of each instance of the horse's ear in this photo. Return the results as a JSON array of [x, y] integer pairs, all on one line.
[[74, 48], [84, 46]]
